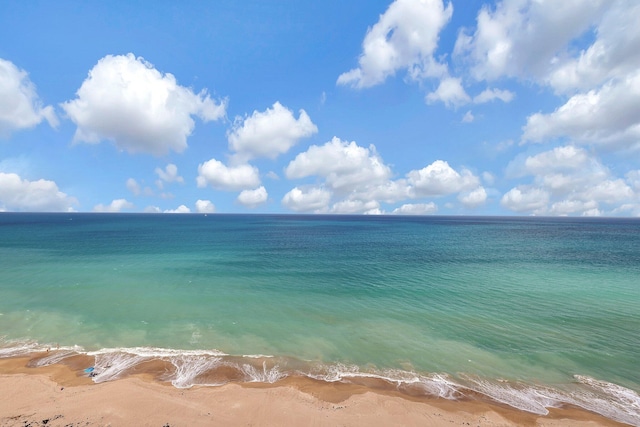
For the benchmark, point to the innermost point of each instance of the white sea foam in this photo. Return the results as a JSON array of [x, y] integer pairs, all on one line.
[[608, 399], [111, 363], [156, 352], [439, 385], [267, 375], [57, 356], [518, 396], [611, 400], [331, 373], [111, 366], [14, 348], [189, 367], [19, 348]]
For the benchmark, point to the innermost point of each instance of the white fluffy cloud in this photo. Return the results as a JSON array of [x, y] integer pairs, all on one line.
[[568, 180], [559, 159], [307, 199], [607, 116], [489, 95], [371, 207], [269, 133], [544, 42], [416, 209], [569, 207], [633, 178], [116, 205], [169, 174], [438, 179], [125, 100], [17, 194], [344, 165], [405, 37], [20, 107], [356, 180], [222, 177], [525, 38], [253, 198], [450, 92], [182, 209], [614, 53], [526, 199], [133, 186], [474, 198], [205, 206]]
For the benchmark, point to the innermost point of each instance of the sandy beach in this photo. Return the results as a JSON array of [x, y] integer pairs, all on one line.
[[58, 395]]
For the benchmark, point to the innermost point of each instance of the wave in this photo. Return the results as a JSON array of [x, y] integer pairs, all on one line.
[[188, 368]]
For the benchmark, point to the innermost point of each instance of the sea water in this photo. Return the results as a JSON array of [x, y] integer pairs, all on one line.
[[531, 312]]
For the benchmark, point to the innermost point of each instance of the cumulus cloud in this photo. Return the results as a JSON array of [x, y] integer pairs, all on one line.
[[205, 206], [20, 106], [116, 205], [438, 179], [609, 191], [168, 174], [126, 100], [416, 209], [356, 207], [18, 194], [489, 95], [269, 133], [608, 116], [133, 186], [569, 207], [355, 179], [586, 51], [253, 198], [633, 178], [344, 165], [526, 199], [179, 210], [614, 53], [307, 199], [231, 178], [468, 117], [568, 180], [450, 92], [474, 198], [404, 38], [488, 178], [563, 158], [525, 38]]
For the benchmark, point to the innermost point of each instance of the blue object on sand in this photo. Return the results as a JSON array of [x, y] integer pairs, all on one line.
[[89, 370]]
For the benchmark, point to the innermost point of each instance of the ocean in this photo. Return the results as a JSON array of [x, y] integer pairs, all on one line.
[[530, 312]]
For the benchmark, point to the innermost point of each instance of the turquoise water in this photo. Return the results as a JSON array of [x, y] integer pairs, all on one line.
[[531, 312]]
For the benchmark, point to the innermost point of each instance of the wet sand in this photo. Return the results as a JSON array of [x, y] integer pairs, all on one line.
[[60, 395]]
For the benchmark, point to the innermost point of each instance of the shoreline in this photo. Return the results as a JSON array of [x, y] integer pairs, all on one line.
[[62, 395]]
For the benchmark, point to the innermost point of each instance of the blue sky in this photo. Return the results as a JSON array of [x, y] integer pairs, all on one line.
[[516, 107]]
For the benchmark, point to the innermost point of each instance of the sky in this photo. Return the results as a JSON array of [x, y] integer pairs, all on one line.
[[410, 107]]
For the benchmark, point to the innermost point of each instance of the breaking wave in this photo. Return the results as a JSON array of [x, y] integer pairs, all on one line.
[[187, 368]]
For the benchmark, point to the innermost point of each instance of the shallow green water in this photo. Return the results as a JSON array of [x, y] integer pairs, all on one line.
[[532, 301]]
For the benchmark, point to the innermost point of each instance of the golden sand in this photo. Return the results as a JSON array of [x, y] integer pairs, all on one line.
[[60, 395]]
